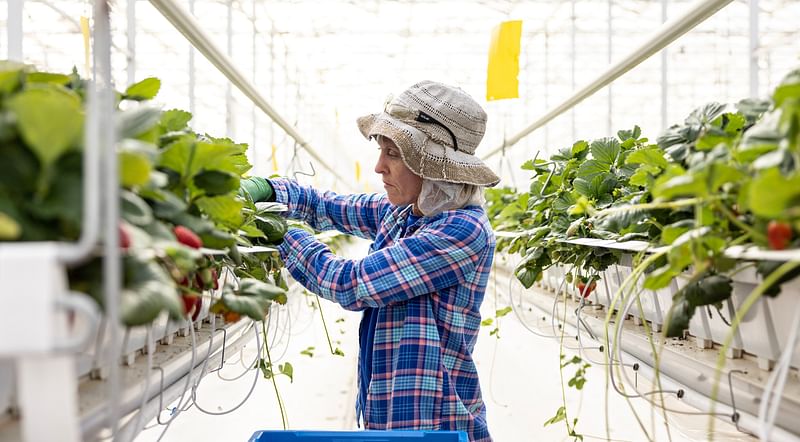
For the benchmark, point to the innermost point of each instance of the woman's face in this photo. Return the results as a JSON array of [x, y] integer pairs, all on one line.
[[401, 185]]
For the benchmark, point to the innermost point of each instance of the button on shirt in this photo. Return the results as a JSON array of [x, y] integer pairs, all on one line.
[[421, 287]]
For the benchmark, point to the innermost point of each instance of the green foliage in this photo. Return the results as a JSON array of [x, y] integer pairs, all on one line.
[[169, 176]]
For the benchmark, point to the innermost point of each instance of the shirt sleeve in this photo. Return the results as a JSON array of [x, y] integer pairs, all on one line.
[[357, 214], [432, 259]]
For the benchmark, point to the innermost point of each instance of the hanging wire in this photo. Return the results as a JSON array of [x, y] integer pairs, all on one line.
[[249, 393]]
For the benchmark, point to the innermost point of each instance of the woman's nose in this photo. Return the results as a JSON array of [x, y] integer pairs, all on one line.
[[380, 166]]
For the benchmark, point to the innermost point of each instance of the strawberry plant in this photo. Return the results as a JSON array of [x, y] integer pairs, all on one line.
[[178, 189], [727, 175]]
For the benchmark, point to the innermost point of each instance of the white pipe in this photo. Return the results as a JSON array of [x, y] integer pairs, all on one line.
[[186, 24], [663, 37], [691, 374]]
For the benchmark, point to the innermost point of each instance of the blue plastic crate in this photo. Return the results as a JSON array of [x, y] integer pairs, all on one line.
[[358, 436]]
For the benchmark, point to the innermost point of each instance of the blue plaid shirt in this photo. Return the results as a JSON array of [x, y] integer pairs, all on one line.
[[426, 282]]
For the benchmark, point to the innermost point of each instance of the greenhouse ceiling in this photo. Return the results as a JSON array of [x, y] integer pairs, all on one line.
[[322, 64]]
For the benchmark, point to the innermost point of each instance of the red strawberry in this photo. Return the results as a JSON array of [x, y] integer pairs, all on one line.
[[191, 304], [586, 290], [779, 234], [124, 238], [216, 278], [187, 237]]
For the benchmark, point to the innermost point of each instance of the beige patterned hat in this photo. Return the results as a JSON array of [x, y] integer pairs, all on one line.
[[437, 129]]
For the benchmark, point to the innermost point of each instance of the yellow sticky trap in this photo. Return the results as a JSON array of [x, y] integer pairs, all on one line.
[[86, 45], [274, 159], [358, 171], [501, 78]]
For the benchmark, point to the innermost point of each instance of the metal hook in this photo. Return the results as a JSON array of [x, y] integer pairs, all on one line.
[[735, 415], [224, 339], [299, 172], [160, 396]]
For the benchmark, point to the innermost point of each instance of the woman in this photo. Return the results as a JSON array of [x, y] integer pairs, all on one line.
[[423, 281]]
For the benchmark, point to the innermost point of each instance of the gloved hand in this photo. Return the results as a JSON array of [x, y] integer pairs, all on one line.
[[259, 189]]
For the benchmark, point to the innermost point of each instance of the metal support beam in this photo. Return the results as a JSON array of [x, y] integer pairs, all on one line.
[[754, 48], [186, 24], [15, 30], [228, 88], [131, 68], [659, 40], [664, 78], [609, 30]]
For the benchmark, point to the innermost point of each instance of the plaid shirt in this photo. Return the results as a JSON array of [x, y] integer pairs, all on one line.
[[427, 283]]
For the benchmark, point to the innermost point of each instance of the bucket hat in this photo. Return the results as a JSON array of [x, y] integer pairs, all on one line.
[[437, 128]]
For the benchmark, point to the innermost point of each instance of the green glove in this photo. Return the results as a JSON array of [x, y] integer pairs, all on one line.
[[258, 188]]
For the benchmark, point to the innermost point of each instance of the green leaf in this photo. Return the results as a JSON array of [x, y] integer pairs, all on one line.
[[50, 120], [225, 210], [287, 369], [724, 173], [254, 307], [652, 156], [135, 165], [270, 292], [771, 194], [709, 290], [11, 74], [216, 182], [134, 209], [47, 77], [149, 290], [9, 229], [134, 122], [578, 147], [644, 176], [679, 319], [273, 226], [146, 89], [561, 414], [688, 185], [527, 277], [605, 150], [788, 89], [673, 231], [502, 312], [591, 168], [174, 120], [487, 322]]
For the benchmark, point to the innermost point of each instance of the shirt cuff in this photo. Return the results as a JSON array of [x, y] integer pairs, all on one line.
[[294, 248]]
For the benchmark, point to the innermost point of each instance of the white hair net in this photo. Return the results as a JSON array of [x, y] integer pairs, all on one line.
[[438, 196]]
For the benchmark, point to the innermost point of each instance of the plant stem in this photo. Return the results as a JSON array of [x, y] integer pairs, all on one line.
[[325, 325], [659, 205], [754, 296], [755, 234], [282, 409]]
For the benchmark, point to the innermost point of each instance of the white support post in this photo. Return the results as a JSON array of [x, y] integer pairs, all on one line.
[[131, 68], [664, 78], [33, 279], [14, 30], [754, 48], [229, 119], [191, 69], [572, 57], [609, 111]]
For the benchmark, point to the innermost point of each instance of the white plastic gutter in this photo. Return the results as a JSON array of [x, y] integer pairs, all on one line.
[[188, 26], [668, 33]]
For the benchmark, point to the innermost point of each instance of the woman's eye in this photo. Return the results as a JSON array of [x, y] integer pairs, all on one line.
[[392, 153]]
